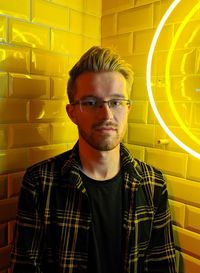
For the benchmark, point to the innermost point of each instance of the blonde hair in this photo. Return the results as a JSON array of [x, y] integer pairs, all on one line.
[[98, 59]]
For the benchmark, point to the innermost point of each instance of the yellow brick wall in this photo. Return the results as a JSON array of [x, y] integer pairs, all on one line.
[[39, 42], [129, 26]]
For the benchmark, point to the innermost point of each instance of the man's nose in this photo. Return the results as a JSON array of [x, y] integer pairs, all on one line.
[[105, 111]]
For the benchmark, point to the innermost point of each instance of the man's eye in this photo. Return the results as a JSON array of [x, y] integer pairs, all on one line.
[[89, 103], [115, 103]]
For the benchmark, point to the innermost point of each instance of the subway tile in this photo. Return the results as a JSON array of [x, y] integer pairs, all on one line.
[[88, 42], [29, 86], [139, 89], [49, 14], [111, 21], [58, 88], [3, 136], [138, 112], [123, 43], [18, 9], [136, 151], [76, 19], [33, 135], [165, 38], [14, 59], [66, 42], [135, 19], [93, 7], [48, 63], [188, 241], [46, 110], [183, 62], [91, 26], [3, 235], [144, 2], [192, 219], [181, 11], [77, 5], [177, 212], [4, 85], [189, 264], [195, 114], [28, 34], [138, 63], [141, 134], [186, 87], [3, 186], [63, 132], [184, 191], [14, 183], [142, 40], [5, 257], [38, 154], [10, 106], [193, 168], [11, 231], [113, 5], [169, 162], [9, 160], [3, 33], [8, 208], [191, 35]]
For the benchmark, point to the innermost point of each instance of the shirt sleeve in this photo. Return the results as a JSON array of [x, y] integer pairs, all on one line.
[[27, 248], [161, 251]]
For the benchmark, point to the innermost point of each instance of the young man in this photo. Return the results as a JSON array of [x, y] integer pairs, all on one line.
[[95, 209]]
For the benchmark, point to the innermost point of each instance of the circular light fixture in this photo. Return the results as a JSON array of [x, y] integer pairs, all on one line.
[[148, 80]]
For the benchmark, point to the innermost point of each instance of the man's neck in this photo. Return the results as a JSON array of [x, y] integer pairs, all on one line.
[[99, 165]]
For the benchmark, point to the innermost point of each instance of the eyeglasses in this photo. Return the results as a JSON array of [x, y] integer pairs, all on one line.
[[92, 104]]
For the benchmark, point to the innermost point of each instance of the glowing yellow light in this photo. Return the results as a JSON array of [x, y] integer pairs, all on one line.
[[148, 82]]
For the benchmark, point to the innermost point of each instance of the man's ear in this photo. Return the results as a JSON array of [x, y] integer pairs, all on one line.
[[71, 113]]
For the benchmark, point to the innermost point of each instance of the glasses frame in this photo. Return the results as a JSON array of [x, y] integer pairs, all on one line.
[[100, 103]]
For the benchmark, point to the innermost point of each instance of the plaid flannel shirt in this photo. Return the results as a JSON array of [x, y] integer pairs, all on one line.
[[54, 218]]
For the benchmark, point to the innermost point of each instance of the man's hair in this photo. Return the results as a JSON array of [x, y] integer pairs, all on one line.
[[98, 59]]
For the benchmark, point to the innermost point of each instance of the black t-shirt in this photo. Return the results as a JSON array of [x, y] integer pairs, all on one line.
[[105, 238]]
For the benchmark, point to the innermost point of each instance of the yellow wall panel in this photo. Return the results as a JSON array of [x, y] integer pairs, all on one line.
[[48, 13], [141, 134], [28, 86], [64, 132], [9, 160], [135, 19], [28, 34], [193, 168], [58, 88], [91, 26], [33, 135], [47, 111], [48, 63], [4, 85], [18, 9], [66, 42], [138, 112], [3, 24], [188, 240], [43, 152], [123, 44], [93, 7], [10, 106], [185, 191], [111, 21], [76, 21], [177, 212], [169, 162], [78, 4], [190, 264], [3, 136], [192, 218], [14, 184], [114, 5], [14, 59]]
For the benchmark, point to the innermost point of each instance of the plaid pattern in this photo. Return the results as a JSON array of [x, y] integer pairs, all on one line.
[[54, 219]]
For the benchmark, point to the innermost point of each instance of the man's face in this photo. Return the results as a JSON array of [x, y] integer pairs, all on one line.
[[102, 128]]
